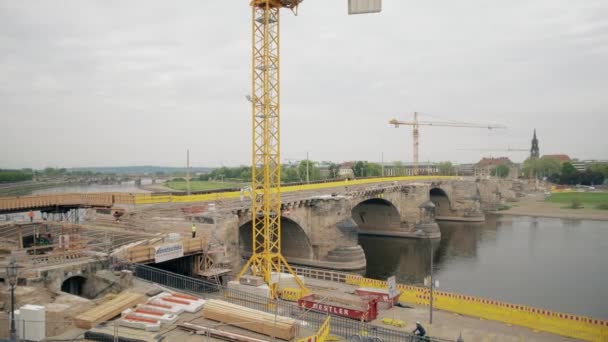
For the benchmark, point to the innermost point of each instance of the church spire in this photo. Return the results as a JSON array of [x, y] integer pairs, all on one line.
[[534, 150]]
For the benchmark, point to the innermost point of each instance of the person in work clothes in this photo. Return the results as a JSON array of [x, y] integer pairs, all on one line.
[[31, 216], [419, 331], [193, 230]]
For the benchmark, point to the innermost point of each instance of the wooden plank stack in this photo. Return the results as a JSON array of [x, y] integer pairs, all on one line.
[[108, 310], [250, 319]]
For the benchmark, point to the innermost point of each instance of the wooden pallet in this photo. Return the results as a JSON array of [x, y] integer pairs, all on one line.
[[108, 310]]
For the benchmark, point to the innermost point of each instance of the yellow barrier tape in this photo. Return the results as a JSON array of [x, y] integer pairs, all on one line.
[[322, 334], [581, 327], [151, 198]]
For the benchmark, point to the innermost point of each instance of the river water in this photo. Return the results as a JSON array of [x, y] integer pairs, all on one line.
[[556, 264], [122, 187]]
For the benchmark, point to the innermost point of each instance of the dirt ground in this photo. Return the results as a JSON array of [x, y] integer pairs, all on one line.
[[535, 205]]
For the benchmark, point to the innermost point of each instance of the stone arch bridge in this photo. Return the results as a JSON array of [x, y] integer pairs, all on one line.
[[322, 230]]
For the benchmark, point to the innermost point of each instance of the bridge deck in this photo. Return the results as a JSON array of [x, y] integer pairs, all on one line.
[[107, 200], [65, 201]]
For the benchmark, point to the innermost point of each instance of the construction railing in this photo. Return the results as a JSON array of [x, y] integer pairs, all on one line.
[[8, 204], [315, 273], [340, 326], [321, 335], [580, 327], [217, 196], [45, 201]]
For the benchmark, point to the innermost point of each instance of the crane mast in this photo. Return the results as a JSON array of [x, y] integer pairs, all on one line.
[[416, 132], [266, 255]]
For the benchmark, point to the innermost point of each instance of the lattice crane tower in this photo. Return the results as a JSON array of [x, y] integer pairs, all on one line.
[[266, 161]]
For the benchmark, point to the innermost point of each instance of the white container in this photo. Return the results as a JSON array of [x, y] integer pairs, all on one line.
[[364, 6], [30, 322]]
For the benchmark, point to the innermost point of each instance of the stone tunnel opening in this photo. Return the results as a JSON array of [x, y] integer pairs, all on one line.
[[376, 214], [295, 243], [75, 285], [441, 201]]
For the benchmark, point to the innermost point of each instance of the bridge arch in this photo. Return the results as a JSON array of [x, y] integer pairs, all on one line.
[[75, 285], [441, 200], [376, 214], [295, 243]]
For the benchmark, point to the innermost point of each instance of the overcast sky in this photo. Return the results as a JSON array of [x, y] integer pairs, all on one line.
[[105, 83]]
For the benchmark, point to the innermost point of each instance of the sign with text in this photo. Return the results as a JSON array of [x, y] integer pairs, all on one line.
[[168, 252]]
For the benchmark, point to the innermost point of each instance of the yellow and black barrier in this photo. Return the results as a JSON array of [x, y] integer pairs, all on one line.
[[217, 196], [580, 327], [321, 335]]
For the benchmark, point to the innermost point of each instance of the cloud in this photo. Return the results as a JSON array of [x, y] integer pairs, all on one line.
[[138, 82]]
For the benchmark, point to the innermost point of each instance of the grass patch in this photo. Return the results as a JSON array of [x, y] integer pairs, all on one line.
[[197, 185], [593, 198], [575, 203], [602, 206], [503, 207]]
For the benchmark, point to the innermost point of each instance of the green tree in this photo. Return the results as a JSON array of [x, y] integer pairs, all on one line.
[[548, 166], [501, 171], [313, 170], [530, 168], [569, 174], [599, 168], [373, 169], [543, 167], [359, 169], [289, 174], [333, 170], [446, 168]]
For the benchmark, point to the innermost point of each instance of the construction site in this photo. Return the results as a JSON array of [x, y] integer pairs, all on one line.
[[265, 263]]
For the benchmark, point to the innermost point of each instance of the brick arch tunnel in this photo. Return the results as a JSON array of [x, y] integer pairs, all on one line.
[[376, 214], [295, 243], [75, 285], [442, 202]]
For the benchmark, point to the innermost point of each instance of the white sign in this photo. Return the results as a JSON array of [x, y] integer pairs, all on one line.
[[392, 287], [168, 252]]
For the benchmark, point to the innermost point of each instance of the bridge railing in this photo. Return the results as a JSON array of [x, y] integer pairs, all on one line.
[[150, 198], [69, 199]]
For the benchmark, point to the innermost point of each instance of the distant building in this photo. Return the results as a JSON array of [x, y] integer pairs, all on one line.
[[534, 150], [345, 170], [562, 158], [324, 171], [407, 169], [485, 167], [583, 165], [465, 169]]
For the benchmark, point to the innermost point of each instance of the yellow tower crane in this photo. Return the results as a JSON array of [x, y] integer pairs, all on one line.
[[266, 255], [416, 133]]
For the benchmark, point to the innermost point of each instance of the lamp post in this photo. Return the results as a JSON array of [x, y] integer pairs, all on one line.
[[11, 273]]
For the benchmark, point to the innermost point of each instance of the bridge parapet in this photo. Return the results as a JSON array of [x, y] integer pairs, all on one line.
[[42, 202]]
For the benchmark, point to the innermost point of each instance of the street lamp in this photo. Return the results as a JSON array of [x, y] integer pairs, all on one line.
[[11, 273]]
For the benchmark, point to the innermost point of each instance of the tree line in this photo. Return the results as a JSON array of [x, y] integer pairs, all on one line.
[[11, 176], [564, 173]]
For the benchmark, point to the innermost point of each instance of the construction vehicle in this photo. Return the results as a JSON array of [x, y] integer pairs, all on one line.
[[266, 257], [416, 131]]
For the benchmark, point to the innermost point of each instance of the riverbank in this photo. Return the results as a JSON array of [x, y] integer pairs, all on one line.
[[155, 187], [26, 188], [535, 205]]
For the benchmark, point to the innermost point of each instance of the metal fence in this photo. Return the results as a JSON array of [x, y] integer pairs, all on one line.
[[169, 279], [340, 326]]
